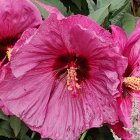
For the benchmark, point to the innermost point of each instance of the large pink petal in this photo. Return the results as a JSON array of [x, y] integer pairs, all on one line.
[[100, 106], [23, 99], [3, 71], [65, 117], [39, 48], [24, 39], [125, 110], [134, 37], [50, 109], [16, 16], [133, 60], [134, 57], [87, 43], [4, 109], [58, 39], [86, 24], [102, 57], [120, 37]]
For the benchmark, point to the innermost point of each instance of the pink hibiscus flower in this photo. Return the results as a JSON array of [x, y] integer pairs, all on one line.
[[16, 16], [64, 80], [130, 88]]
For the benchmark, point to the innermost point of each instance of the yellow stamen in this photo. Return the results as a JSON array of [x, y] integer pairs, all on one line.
[[72, 83], [132, 82], [9, 51]]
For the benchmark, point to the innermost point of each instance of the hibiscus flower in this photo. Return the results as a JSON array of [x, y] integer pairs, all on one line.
[[130, 88], [65, 78], [16, 16]]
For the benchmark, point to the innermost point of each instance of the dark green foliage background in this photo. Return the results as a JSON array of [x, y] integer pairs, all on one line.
[[123, 13]]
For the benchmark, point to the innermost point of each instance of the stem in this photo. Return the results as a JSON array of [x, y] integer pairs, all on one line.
[[133, 7], [83, 136], [33, 134]]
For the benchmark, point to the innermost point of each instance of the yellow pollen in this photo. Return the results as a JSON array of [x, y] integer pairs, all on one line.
[[72, 83], [132, 82], [9, 51]]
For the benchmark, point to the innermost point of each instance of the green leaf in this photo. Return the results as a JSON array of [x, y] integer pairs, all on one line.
[[100, 14], [116, 4], [129, 23], [26, 137], [116, 17], [43, 11], [102, 3], [23, 131], [91, 6], [5, 130], [83, 136], [77, 3], [15, 123], [56, 3], [89, 138], [3, 116]]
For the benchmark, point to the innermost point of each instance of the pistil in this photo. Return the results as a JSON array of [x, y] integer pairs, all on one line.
[[72, 80], [132, 82], [9, 51]]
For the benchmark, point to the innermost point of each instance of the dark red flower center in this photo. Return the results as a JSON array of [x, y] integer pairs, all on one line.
[[6, 44], [128, 71], [75, 68]]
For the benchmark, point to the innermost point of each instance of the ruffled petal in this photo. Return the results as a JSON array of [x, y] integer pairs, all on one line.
[[85, 42], [125, 110], [20, 92], [53, 28], [99, 105], [119, 130], [24, 39], [120, 37], [16, 16], [134, 58], [134, 37], [102, 56], [85, 23], [39, 48], [46, 108], [2, 73], [4, 109], [4, 69], [65, 117], [131, 51]]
